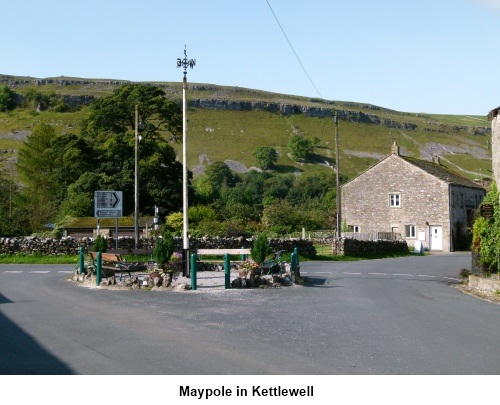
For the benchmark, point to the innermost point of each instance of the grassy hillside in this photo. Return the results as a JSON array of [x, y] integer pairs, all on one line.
[[462, 142]]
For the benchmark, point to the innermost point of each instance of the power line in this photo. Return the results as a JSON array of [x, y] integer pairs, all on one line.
[[293, 50]]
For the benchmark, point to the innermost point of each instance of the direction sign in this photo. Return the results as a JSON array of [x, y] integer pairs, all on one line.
[[108, 214], [108, 204]]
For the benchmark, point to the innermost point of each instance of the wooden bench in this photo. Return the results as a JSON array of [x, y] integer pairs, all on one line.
[[220, 252], [111, 263]]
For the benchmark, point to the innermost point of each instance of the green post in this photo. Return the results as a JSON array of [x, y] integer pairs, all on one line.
[[98, 267], [193, 272], [296, 251], [243, 256], [293, 265], [81, 262], [227, 271]]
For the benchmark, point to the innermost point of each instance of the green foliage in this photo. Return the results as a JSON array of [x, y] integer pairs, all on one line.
[[164, 248], [100, 244], [260, 248], [115, 114], [174, 222], [300, 147], [199, 213], [486, 232], [266, 157], [6, 98]]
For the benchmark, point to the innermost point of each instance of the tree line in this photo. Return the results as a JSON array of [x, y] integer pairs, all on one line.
[[60, 173]]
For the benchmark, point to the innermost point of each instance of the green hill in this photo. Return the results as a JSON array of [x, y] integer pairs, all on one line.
[[228, 123]]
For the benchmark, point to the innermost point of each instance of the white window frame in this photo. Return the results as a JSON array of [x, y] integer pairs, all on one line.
[[394, 200], [355, 228], [410, 231]]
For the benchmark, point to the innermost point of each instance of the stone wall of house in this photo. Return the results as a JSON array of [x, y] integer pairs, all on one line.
[[71, 246], [495, 140], [423, 201]]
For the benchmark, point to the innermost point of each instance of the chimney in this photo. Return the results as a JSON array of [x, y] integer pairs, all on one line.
[[395, 148]]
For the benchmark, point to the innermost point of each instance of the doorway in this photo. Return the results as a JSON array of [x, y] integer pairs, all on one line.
[[436, 238]]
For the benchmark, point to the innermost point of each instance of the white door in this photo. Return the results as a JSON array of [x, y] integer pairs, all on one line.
[[436, 239]]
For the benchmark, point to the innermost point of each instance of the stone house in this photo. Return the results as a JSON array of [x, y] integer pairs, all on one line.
[[417, 200], [495, 142]]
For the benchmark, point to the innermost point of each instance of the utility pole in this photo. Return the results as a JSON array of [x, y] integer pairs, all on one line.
[[136, 179], [337, 170], [185, 63]]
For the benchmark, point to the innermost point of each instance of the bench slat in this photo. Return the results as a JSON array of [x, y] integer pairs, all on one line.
[[223, 251]]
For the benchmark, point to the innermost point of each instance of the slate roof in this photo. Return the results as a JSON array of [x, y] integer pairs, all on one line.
[[441, 172]]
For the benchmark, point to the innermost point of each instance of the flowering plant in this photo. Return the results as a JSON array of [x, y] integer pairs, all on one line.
[[248, 265]]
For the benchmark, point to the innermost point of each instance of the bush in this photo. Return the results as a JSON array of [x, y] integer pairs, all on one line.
[[100, 244], [164, 248], [260, 248]]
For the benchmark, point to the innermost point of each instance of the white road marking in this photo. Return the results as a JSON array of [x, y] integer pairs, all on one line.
[[323, 272], [40, 271], [378, 274], [402, 274], [13, 271], [451, 278], [346, 272], [425, 275], [65, 271]]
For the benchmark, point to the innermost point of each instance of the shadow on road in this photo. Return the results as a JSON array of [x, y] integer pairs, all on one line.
[[318, 282], [21, 354]]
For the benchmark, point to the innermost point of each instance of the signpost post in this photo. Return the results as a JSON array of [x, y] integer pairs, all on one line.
[[108, 204]]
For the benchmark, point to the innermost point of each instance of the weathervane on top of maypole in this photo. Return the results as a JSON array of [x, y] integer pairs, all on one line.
[[185, 63]]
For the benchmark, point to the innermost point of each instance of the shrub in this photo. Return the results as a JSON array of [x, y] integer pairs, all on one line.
[[100, 244], [260, 248], [164, 248]]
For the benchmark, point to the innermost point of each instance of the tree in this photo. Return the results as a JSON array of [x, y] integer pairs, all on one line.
[[217, 176], [300, 147], [6, 98], [36, 168], [115, 113], [110, 128], [266, 157]]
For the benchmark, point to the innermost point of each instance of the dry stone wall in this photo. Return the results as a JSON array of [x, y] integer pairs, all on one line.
[[71, 246]]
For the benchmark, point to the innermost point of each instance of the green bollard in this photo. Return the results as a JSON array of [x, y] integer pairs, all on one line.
[[98, 267], [193, 272], [293, 266], [227, 271], [296, 251], [81, 262]]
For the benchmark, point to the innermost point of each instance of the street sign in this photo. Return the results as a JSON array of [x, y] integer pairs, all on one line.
[[108, 214], [108, 204]]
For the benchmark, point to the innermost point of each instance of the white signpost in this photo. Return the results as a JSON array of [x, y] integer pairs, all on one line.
[[108, 204]]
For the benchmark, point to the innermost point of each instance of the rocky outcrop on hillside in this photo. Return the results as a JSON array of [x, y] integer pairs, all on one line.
[[289, 109], [228, 98]]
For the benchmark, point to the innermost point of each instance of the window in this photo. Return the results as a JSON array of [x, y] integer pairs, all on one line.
[[410, 231], [355, 228], [394, 200]]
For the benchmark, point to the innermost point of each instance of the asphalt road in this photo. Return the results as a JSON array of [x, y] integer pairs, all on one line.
[[391, 316]]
